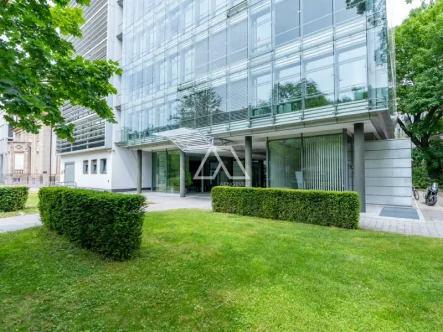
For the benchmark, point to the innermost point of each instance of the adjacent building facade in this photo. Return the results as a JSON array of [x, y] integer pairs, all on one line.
[[25, 158], [93, 161], [294, 87]]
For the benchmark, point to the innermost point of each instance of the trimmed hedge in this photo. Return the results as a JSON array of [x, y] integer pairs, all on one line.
[[327, 208], [106, 223], [13, 198]]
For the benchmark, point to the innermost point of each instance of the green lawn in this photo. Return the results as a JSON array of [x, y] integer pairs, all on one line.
[[30, 208], [206, 271]]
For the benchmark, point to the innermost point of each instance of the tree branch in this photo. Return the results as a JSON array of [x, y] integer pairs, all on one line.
[[414, 139]]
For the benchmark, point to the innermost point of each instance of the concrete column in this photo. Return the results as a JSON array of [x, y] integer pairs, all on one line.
[[182, 174], [359, 163], [202, 183], [248, 160], [139, 171]]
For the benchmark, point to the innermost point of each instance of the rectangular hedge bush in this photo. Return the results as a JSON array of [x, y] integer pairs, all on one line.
[[106, 223], [327, 208], [13, 198]]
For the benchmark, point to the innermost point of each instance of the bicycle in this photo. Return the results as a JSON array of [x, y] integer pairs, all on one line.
[[415, 193]]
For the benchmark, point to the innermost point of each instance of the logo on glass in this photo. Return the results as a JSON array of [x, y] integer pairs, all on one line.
[[221, 165]]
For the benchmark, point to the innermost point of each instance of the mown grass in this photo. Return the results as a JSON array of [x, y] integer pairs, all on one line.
[[30, 208], [207, 271]]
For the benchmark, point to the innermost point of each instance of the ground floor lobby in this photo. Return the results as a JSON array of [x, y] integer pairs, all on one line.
[[322, 162]]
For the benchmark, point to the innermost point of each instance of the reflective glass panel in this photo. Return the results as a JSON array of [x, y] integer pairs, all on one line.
[[287, 21], [317, 15], [159, 171], [346, 10], [261, 31]]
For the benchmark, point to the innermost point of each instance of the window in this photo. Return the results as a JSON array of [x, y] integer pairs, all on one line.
[[19, 161], [287, 21], [218, 50], [85, 166], [201, 57], [148, 80], [94, 166], [218, 6], [148, 40], [289, 91], [203, 10], [261, 94], [188, 14], [319, 81], [261, 31], [238, 41], [317, 15], [173, 69], [188, 64], [161, 74], [352, 74], [173, 18], [238, 98], [103, 166], [345, 11], [161, 31]]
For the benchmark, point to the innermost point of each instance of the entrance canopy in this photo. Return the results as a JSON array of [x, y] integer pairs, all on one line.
[[189, 140]]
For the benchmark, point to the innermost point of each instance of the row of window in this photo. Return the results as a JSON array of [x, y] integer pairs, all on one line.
[[289, 16], [94, 166], [202, 63], [265, 29], [280, 81]]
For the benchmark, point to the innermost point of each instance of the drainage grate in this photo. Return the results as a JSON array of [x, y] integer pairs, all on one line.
[[399, 213]]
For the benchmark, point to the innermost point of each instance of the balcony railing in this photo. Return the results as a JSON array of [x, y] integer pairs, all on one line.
[[252, 118]]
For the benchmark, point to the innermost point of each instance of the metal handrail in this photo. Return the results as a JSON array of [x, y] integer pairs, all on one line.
[[70, 184]]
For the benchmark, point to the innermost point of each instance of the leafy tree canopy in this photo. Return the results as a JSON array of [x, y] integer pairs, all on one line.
[[40, 72], [419, 66]]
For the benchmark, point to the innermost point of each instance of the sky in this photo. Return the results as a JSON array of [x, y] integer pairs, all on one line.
[[398, 10]]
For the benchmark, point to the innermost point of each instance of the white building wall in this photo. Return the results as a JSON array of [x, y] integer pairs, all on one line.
[[388, 171], [124, 163], [96, 181]]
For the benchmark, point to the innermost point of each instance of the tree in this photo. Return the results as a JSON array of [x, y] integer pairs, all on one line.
[[294, 92], [419, 65], [40, 72], [198, 105]]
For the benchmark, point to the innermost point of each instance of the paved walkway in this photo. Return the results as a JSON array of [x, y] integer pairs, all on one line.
[[372, 220], [163, 202], [430, 222], [19, 222]]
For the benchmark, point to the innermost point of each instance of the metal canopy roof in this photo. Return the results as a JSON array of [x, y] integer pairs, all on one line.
[[188, 140]]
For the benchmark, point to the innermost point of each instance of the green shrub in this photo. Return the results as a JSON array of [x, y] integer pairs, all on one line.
[[13, 198], [106, 223], [327, 208], [420, 177]]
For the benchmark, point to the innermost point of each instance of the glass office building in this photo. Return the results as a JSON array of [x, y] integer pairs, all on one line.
[[228, 66]]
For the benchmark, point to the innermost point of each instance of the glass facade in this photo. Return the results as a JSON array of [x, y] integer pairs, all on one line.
[[203, 63], [166, 171], [315, 163]]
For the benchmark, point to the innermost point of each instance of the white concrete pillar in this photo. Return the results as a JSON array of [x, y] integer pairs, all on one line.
[[182, 174], [359, 163], [248, 161]]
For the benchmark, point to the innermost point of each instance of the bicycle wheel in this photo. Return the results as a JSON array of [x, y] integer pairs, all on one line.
[[432, 200], [416, 194]]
